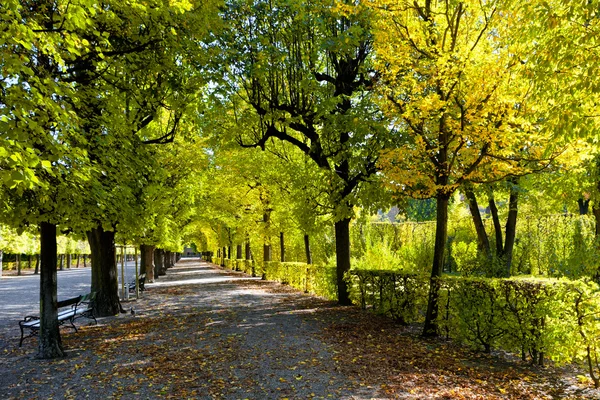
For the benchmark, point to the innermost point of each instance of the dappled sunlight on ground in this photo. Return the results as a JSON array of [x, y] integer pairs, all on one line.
[[201, 332]]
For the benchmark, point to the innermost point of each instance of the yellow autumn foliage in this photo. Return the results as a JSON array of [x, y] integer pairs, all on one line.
[[455, 84]]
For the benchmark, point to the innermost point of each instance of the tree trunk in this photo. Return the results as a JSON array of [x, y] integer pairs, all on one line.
[[248, 253], [1, 255], [511, 227], [267, 252], [69, 260], [159, 262], [497, 226], [342, 255], [50, 343], [239, 252], [223, 256], [61, 259], [482, 237], [29, 261], [441, 235], [85, 261], [282, 246], [148, 261], [37, 264], [18, 264], [267, 249], [584, 206], [168, 260], [104, 272], [77, 261], [307, 249]]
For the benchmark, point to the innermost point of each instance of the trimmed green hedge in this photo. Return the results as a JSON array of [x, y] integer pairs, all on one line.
[[316, 279], [557, 319]]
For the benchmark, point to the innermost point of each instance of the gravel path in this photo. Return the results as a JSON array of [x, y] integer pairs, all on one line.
[[199, 332]]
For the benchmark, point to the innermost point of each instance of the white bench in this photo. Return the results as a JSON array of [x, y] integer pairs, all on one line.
[[80, 306]]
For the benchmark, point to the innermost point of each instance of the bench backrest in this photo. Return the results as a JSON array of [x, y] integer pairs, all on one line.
[[68, 302]]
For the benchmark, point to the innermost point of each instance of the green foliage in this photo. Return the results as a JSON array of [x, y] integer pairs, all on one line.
[[397, 294]]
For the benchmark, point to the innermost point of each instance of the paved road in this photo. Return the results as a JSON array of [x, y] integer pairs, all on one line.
[[19, 295]]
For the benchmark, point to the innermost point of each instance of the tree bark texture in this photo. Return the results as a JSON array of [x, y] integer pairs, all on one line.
[[497, 226], [307, 249], [248, 253], [18, 264], [37, 264], [69, 260], [511, 228], [50, 343], [441, 236], [168, 259], [282, 246], [482, 237], [148, 261], [239, 252], [159, 262], [342, 254], [104, 272], [267, 249]]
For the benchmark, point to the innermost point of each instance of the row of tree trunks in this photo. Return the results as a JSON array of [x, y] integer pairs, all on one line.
[[504, 244]]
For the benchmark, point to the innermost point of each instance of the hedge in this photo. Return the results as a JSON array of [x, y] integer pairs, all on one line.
[[558, 319]]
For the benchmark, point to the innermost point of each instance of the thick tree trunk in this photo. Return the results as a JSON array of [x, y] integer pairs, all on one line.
[[307, 249], [239, 252], [168, 260], [18, 264], [69, 260], [85, 261], [248, 254], [342, 255], [1, 255], [511, 227], [29, 261], [159, 262], [223, 256], [148, 261], [37, 264], [584, 206], [497, 226], [441, 236], [482, 237], [50, 343], [77, 262], [104, 272], [61, 259], [282, 246]]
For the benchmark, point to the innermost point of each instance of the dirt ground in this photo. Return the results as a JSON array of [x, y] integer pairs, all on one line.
[[204, 333]]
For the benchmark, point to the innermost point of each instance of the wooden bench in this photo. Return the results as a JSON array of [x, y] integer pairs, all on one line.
[[141, 282], [76, 307]]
